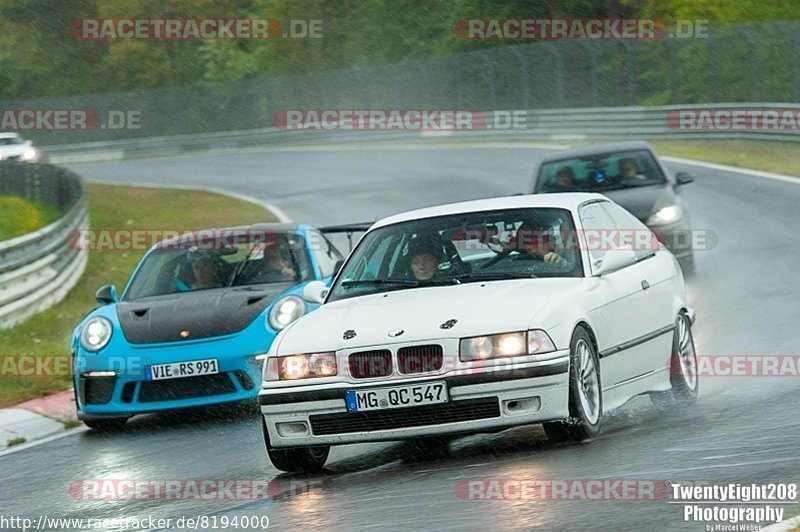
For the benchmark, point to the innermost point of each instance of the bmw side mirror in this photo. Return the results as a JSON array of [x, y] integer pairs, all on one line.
[[315, 292], [614, 259], [106, 294], [683, 178]]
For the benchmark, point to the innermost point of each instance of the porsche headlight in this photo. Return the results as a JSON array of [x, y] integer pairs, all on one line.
[[504, 345], [285, 311], [96, 334], [306, 366], [665, 215]]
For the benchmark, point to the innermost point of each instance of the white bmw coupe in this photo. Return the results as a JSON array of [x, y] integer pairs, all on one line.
[[478, 316]]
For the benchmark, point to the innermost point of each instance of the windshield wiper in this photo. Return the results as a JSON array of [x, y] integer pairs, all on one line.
[[494, 276], [373, 282]]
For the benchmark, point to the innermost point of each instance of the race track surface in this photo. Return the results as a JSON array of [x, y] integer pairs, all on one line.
[[742, 430]]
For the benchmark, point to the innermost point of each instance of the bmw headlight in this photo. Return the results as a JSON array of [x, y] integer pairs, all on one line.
[[306, 366], [504, 345], [96, 334], [285, 311], [665, 215]]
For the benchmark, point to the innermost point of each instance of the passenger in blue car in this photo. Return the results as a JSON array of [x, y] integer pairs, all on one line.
[[206, 272]]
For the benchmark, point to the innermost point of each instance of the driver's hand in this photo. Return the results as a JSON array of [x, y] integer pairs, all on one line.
[[551, 257]]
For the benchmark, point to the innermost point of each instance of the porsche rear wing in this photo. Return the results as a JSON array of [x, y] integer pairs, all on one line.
[[347, 229]]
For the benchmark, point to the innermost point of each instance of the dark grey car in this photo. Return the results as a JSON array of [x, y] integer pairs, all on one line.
[[630, 174]]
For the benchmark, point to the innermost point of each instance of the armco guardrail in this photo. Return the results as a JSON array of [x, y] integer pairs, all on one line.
[[38, 269], [657, 122]]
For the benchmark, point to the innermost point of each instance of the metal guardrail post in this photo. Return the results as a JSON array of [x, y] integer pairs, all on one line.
[[490, 78], [673, 70], [526, 81], [754, 81], [713, 74], [794, 42], [558, 74]]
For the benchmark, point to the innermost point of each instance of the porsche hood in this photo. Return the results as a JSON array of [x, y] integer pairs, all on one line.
[[194, 315]]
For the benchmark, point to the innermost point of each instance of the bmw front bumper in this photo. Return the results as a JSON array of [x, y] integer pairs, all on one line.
[[500, 397]]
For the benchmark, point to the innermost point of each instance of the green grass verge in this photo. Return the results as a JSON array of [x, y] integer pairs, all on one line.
[[779, 157], [110, 208], [19, 216], [15, 441]]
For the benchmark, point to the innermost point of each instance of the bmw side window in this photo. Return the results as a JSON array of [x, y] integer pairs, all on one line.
[[371, 261], [632, 232], [596, 224]]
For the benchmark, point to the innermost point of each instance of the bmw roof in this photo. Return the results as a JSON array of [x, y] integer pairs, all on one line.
[[569, 200]]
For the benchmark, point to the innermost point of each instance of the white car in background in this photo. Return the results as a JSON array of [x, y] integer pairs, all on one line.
[[14, 148], [477, 316]]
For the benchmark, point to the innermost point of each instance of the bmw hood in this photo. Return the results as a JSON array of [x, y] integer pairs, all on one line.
[[195, 315], [644, 201], [478, 308]]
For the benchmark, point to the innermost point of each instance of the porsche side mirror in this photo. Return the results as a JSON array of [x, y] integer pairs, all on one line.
[[106, 294], [315, 292], [613, 260], [683, 178]]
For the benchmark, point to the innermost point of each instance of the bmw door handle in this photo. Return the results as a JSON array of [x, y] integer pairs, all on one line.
[[645, 285]]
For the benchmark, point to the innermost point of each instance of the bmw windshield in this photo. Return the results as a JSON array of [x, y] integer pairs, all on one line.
[[461, 248]]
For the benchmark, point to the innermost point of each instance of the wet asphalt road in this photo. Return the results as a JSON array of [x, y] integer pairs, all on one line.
[[742, 430]]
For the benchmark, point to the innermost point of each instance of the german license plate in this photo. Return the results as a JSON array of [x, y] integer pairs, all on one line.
[[177, 370], [396, 397]]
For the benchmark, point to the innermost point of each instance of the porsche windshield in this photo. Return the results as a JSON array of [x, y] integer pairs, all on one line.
[[601, 172], [461, 248], [184, 267]]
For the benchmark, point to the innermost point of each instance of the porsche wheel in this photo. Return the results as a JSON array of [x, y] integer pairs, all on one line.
[[585, 393], [297, 460]]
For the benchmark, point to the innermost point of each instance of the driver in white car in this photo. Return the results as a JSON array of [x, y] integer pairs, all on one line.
[[534, 238], [425, 256]]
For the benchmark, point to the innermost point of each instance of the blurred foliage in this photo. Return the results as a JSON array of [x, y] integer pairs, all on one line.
[[40, 57], [19, 216]]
